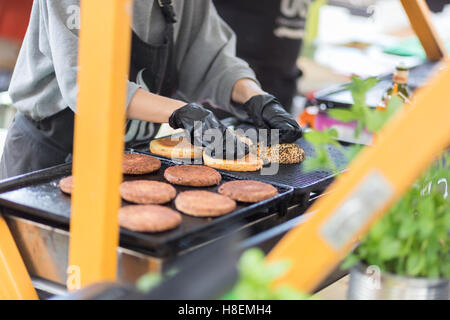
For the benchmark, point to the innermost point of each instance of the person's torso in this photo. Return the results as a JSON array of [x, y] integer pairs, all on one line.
[[270, 31], [35, 86]]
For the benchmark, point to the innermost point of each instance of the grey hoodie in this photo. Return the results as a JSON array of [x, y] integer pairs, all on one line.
[[44, 80]]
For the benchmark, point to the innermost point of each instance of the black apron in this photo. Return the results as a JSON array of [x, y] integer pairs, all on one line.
[[34, 145]]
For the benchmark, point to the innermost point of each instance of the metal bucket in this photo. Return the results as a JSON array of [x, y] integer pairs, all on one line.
[[368, 283]]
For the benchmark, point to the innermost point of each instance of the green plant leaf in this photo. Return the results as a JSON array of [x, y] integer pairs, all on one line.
[[321, 161], [148, 282], [285, 292], [413, 237], [360, 87], [352, 151], [318, 138], [395, 103], [277, 269], [407, 228], [256, 278], [342, 115], [389, 248], [359, 129], [350, 262], [375, 121], [414, 264]]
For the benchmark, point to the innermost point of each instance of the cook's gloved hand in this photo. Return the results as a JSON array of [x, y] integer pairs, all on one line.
[[267, 113], [204, 129]]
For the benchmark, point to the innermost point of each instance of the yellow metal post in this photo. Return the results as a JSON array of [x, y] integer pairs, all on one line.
[[419, 16], [104, 51], [374, 180], [15, 283]]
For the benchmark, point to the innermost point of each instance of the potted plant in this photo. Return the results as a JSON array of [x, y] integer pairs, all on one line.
[[406, 254]]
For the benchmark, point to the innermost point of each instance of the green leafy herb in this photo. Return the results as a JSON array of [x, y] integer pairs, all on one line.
[[359, 88], [148, 281], [377, 119], [370, 119], [256, 278], [320, 138], [254, 283], [321, 160], [365, 118], [152, 279], [412, 239]]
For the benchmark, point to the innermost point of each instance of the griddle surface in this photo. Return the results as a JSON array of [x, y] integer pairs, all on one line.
[[42, 198], [293, 175]]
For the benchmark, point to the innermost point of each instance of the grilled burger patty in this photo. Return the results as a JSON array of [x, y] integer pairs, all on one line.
[[147, 192], [248, 190], [192, 175], [148, 218], [66, 185], [136, 164], [204, 204]]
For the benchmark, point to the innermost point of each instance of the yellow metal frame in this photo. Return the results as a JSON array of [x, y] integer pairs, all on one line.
[[104, 56], [404, 149], [419, 17], [15, 282]]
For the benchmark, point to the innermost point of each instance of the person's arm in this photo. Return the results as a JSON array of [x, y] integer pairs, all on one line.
[[265, 110], [150, 107], [210, 69], [244, 90]]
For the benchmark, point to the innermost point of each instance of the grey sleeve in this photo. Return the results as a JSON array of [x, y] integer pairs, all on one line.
[[58, 43], [210, 68]]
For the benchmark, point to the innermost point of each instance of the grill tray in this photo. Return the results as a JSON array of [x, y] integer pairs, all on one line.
[[37, 195]]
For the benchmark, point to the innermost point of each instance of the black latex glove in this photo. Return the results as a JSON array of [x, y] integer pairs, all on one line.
[[204, 129], [267, 113]]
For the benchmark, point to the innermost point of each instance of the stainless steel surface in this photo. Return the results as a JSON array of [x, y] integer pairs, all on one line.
[[367, 283], [44, 250]]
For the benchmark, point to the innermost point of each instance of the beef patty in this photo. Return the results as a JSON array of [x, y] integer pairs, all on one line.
[[148, 218], [192, 175], [147, 192], [66, 185], [248, 190], [204, 204], [136, 164]]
